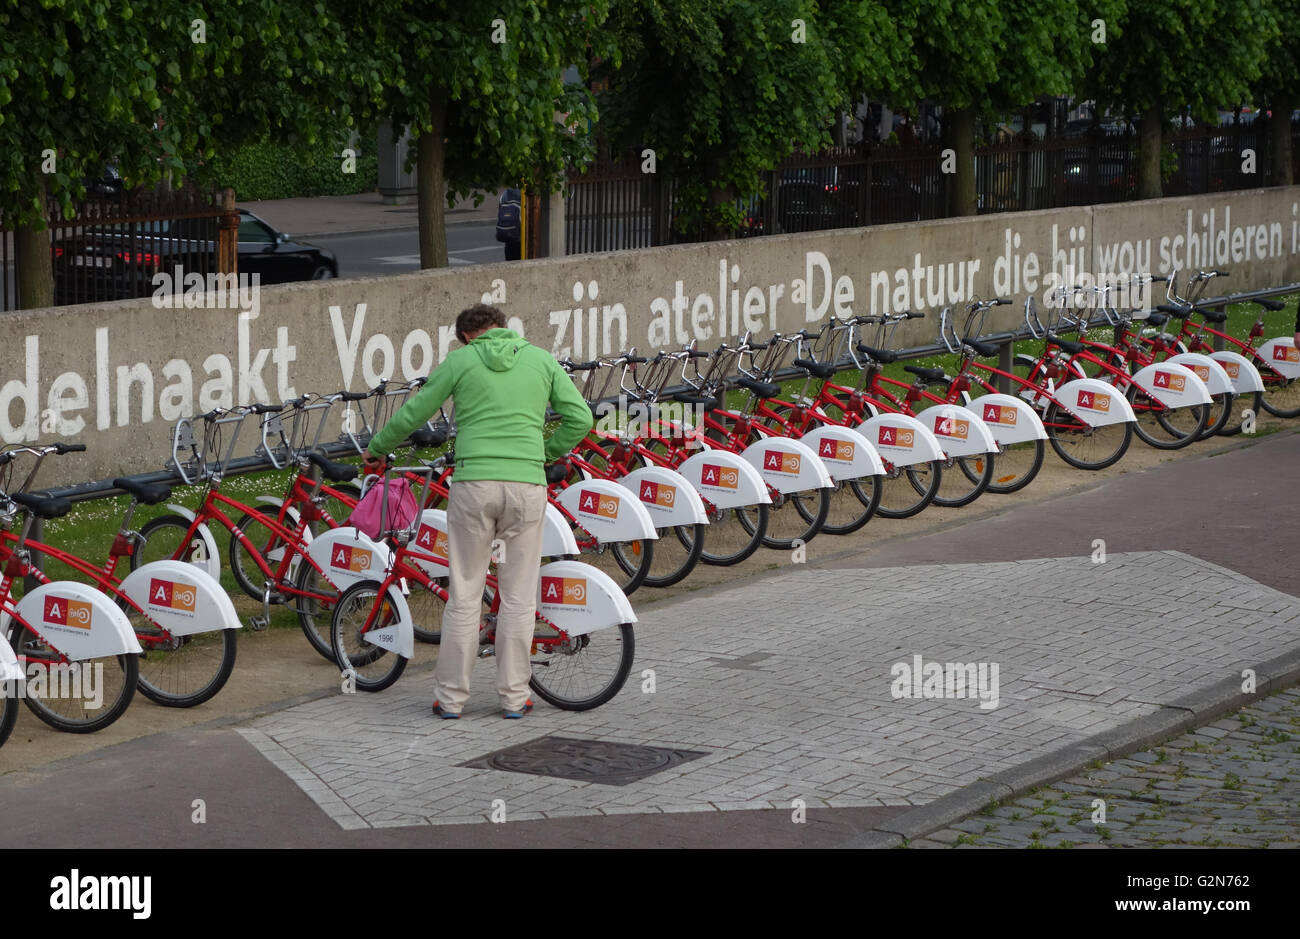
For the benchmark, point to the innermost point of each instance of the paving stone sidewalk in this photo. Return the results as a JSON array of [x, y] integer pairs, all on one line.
[[1232, 783], [787, 688]]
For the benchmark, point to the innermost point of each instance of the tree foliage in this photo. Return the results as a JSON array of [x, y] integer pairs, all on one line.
[[1193, 54], [722, 90], [130, 83], [482, 90]]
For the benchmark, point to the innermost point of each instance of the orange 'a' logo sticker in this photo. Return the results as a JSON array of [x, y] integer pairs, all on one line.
[[831, 449], [780, 462], [564, 590]]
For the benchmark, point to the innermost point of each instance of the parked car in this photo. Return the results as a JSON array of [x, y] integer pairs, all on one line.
[[119, 261]]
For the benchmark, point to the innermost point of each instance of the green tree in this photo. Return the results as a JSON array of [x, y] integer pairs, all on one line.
[[1278, 86], [481, 89], [984, 57], [1181, 55], [723, 90], [153, 86]]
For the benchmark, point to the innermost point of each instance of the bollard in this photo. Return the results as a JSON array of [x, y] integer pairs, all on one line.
[[1002, 383]]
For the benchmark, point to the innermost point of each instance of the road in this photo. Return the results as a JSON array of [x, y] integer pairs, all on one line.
[[395, 252], [378, 253]]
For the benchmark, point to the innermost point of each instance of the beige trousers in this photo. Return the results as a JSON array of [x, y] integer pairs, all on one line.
[[481, 512]]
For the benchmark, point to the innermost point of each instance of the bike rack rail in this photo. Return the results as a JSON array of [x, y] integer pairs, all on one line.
[[104, 488]]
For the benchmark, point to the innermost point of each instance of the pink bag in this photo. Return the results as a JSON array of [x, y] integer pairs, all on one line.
[[399, 513]]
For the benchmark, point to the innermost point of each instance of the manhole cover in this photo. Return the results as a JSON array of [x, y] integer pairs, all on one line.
[[598, 761]]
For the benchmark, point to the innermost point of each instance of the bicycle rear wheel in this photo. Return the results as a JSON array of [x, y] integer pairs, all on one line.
[[1281, 395], [1252, 402], [676, 553], [906, 490], [181, 671], [8, 709], [853, 502], [733, 534], [1017, 465], [1084, 446], [1166, 428], [374, 668], [578, 673], [1221, 407], [78, 697], [965, 478], [795, 517], [628, 562]]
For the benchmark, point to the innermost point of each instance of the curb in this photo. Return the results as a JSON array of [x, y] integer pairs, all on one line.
[[1193, 710]]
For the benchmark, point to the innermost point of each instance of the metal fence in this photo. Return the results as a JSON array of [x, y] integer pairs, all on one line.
[[113, 247], [617, 206]]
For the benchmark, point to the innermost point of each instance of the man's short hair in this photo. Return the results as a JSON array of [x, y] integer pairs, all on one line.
[[479, 316]]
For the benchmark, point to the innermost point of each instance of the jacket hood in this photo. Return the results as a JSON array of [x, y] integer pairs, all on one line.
[[499, 348]]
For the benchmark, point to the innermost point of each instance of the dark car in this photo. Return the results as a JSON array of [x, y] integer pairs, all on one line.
[[119, 261]]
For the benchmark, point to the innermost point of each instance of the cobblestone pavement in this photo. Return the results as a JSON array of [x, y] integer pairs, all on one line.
[[791, 693], [1232, 783]]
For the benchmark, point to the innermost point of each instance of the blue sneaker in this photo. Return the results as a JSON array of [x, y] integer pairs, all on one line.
[[515, 715], [445, 715]]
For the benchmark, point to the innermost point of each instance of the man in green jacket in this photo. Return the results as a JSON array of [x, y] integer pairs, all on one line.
[[501, 386]]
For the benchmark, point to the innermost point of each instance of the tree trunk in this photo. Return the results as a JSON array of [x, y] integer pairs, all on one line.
[[1150, 127], [33, 268], [431, 186], [1283, 105], [961, 137]]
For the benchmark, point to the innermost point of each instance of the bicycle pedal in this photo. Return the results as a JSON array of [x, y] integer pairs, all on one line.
[[259, 623]]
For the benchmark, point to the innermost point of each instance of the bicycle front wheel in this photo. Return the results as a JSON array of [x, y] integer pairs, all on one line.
[[76, 697], [269, 545], [164, 539], [314, 600], [373, 667], [578, 673], [181, 671], [428, 602]]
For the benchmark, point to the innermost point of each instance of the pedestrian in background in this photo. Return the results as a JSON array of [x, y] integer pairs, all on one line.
[[509, 229]]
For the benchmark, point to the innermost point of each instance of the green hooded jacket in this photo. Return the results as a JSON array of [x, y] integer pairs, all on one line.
[[501, 386]]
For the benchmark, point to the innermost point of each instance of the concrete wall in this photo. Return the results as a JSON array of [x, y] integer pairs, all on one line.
[[116, 376]]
